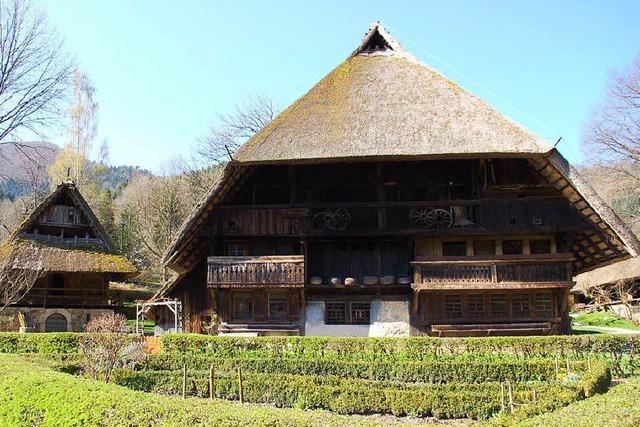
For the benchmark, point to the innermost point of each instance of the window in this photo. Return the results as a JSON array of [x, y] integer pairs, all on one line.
[[540, 246], [57, 283], [336, 313], [454, 248], [360, 313], [499, 306], [237, 249], [521, 305], [243, 307], [512, 247], [71, 215], [347, 313], [278, 307], [484, 247], [544, 304], [453, 306], [475, 305]]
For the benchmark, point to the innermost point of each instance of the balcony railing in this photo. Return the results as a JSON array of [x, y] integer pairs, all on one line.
[[273, 270], [461, 271], [78, 297]]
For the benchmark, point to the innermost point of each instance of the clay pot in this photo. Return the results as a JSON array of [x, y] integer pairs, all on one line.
[[315, 280], [350, 281], [404, 280], [370, 280], [387, 280]]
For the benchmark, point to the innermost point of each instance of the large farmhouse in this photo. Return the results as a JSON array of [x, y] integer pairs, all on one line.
[[63, 256], [389, 201]]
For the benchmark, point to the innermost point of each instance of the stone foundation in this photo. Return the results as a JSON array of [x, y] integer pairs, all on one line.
[[76, 318]]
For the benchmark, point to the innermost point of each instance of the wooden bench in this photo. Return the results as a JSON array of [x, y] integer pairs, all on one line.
[[491, 329]]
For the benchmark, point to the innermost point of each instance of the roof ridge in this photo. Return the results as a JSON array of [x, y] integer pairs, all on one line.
[[374, 41]]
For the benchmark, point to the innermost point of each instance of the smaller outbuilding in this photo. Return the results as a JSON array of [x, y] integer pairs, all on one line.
[[68, 258]]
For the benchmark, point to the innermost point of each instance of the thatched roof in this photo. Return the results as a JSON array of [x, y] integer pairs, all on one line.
[[383, 103], [28, 250], [625, 270], [386, 103], [37, 255]]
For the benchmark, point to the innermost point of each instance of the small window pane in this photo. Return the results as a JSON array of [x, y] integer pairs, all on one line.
[[242, 306], [540, 246], [475, 305], [360, 313], [512, 247], [236, 249], [484, 247], [453, 306], [521, 305], [278, 307], [454, 248], [336, 313], [499, 306], [544, 304]]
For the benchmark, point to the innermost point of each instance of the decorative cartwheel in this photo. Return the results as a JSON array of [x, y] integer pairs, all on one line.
[[426, 217], [334, 219]]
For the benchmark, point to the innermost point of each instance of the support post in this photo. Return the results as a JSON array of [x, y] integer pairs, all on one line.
[[212, 384], [502, 408], [240, 390], [510, 395], [184, 380]]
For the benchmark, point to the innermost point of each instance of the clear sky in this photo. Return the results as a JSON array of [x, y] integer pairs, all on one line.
[[163, 69]]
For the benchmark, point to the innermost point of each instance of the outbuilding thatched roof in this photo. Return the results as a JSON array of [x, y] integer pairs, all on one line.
[[625, 270], [25, 249], [382, 102]]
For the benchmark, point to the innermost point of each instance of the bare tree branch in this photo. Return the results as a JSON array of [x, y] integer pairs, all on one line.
[[232, 129]]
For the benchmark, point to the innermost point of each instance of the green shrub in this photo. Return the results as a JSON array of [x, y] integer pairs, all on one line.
[[37, 396], [438, 370], [359, 396], [622, 352], [59, 342]]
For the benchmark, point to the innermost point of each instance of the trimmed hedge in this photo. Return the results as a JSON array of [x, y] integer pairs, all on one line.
[[357, 396], [37, 396], [440, 370], [623, 352], [55, 342]]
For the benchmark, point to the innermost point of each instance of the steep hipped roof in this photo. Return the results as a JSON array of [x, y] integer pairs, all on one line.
[[382, 102], [625, 270], [28, 250]]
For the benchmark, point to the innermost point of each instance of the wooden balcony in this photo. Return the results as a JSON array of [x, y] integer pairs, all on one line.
[[67, 297], [518, 271], [260, 271]]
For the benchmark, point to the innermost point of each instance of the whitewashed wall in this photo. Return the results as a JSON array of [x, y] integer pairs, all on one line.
[[388, 319]]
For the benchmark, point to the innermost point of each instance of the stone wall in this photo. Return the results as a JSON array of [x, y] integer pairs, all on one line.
[[76, 318], [388, 319]]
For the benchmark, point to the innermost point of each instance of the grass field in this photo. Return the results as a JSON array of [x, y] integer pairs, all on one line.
[[604, 319]]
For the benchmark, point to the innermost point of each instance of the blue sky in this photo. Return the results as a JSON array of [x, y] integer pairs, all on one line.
[[163, 69]]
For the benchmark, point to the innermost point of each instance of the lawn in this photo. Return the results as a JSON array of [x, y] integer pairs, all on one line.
[[604, 319]]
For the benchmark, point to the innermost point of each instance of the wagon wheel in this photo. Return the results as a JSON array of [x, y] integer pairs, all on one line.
[[339, 219], [332, 220], [431, 218], [418, 216], [439, 218]]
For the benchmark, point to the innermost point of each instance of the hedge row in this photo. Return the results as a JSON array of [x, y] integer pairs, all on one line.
[[433, 371], [412, 348], [353, 396], [62, 342], [33, 395]]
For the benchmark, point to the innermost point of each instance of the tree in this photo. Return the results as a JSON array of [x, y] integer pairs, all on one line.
[[19, 271], [231, 130], [619, 292], [612, 137], [34, 74]]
